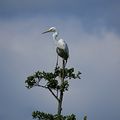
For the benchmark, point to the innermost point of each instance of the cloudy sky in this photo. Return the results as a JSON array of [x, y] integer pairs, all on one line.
[[92, 30]]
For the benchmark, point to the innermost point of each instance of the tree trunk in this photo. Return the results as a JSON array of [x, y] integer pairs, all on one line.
[[60, 103], [61, 91]]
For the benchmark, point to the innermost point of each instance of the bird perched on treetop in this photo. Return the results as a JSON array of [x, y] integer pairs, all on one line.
[[61, 46]]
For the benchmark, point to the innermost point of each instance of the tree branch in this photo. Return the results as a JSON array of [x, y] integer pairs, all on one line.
[[42, 86], [49, 90], [53, 94]]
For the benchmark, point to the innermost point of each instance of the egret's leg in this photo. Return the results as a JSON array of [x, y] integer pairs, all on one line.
[[63, 63], [57, 62]]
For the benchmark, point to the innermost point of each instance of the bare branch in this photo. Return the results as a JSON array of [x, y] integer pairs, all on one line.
[[49, 90], [42, 86], [53, 94]]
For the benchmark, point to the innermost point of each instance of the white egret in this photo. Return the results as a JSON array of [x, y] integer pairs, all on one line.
[[61, 46]]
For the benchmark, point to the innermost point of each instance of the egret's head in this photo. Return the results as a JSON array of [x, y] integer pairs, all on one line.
[[52, 29]]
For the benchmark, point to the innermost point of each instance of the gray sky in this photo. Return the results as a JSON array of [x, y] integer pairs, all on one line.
[[91, 29]]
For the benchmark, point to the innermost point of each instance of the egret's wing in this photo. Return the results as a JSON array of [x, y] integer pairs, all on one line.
[[62, 45]]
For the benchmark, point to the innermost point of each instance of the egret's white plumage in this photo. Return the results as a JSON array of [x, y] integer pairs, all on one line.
[[61, 46]]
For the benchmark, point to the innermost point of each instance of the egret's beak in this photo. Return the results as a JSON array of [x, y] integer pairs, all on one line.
[[46, 31]]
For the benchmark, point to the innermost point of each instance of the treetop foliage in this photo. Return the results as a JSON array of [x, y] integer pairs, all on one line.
[[56, 82], [52, 78]]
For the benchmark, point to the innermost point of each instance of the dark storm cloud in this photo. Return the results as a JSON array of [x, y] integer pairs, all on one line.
[[78, 7], [90, 12]]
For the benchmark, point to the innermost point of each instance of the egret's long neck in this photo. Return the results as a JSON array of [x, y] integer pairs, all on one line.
[[55, 35]]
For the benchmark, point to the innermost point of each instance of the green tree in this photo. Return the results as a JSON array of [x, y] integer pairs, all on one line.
[[51, 83], [56, 83]]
